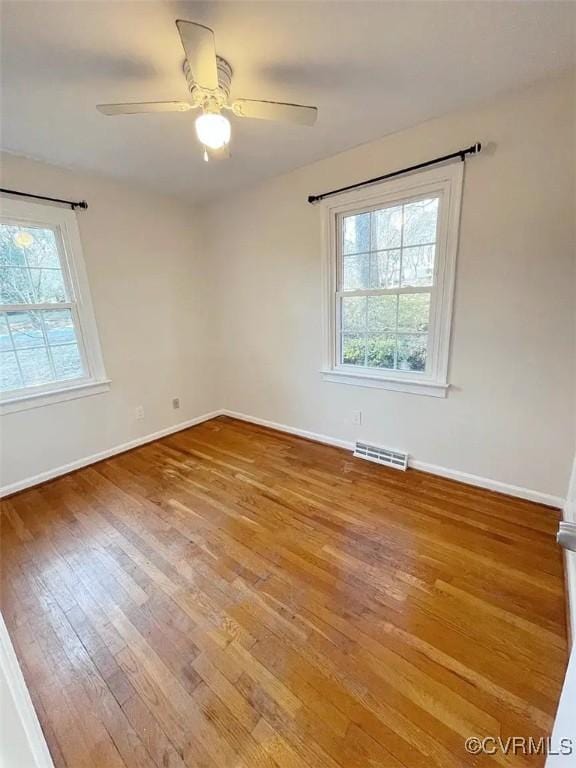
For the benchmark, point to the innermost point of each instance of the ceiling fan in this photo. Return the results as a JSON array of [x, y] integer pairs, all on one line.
[[209, 78]]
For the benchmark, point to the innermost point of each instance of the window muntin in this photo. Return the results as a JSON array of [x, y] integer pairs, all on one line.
[[41, 343], [386, 267]]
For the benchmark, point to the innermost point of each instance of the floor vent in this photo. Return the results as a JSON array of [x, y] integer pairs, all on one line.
[[383, 456]]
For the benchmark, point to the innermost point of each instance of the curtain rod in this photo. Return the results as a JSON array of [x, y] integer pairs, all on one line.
[[473, 150], [73, 204]]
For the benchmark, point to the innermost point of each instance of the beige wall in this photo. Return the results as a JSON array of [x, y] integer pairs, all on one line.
[[149, 288], [222, 306], [510, 413]]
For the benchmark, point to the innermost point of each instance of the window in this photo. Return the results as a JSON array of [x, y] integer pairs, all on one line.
[[390, 262], [49, 347]]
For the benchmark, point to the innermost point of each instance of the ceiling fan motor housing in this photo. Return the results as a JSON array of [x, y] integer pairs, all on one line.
[[221, 94]]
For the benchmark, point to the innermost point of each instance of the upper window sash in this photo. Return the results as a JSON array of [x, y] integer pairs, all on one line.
[[62, 250], [350, 212]]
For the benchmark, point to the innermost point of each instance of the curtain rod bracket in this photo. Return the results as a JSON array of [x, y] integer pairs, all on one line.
[[472, 150]]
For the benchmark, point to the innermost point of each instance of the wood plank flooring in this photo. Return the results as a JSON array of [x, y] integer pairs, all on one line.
[[230, 596]]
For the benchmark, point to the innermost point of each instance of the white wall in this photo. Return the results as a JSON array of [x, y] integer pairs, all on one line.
[[566, 713], [149, 287], [570, 507], [510, 413], [22, 742], [570, 561]]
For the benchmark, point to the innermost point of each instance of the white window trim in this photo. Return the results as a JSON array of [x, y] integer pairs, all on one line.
[[445, 182], [74, 273]]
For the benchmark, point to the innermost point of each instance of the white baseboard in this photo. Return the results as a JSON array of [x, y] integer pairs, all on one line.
[[453, 474], [489, 484], [23, 740], [6, 490], [315, 436]]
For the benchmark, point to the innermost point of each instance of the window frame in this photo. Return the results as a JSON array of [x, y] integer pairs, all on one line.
[[445, 183], [65, 227]]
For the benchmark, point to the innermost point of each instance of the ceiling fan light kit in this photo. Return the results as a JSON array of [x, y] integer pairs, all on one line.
[[209, 79], [213, 130]]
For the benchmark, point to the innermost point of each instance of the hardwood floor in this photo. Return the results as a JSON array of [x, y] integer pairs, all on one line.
[[232, 596]]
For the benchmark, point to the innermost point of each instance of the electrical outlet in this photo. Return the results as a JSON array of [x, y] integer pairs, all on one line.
[[139, 413], [357, 417], [175, 403]]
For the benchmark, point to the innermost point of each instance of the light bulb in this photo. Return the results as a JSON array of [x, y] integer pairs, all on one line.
[[213, 130]]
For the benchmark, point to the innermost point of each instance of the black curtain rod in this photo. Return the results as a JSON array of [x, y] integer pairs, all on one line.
[[73, 204], [473, 150]]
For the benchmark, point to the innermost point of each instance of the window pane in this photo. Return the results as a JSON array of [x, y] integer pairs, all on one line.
[[67, 361], [59, 326], [31, 246], [356, 233], [5, 342], [10, 254], [385, 269], [26, 328], [354, 313], [412, 352], [420, 222], [413, 312], [29, 266], [382, 313], [355, 272], [381, 350], [353, 348], [418, 266], [35, 366], [9, 372], [386, 228], [386, 250], [48, 285], [15, 286]]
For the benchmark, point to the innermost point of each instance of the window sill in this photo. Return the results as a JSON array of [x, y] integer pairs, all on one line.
[[38, 399], [411, 386]]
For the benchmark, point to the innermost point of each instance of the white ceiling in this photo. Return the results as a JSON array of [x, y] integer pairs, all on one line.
[[371, 67]]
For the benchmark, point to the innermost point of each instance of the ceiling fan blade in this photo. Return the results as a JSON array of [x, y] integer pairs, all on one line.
[[275, 110], [200, 49], [144, 106]]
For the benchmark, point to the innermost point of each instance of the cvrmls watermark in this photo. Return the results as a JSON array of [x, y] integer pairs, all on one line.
[[519, 745]]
